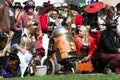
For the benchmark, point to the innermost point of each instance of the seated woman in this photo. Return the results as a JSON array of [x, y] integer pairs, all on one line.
[[24, 41], [85, 46]]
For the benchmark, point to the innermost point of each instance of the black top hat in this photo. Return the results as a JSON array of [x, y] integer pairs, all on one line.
[[29, 4], [17, 5], [118, 6], [55, 9], [45, 4], [74, 7]]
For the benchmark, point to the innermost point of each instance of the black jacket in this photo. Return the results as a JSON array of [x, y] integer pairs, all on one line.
[[110, 42]]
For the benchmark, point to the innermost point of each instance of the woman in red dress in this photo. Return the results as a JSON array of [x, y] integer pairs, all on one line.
[[44, 18], [85, 46]]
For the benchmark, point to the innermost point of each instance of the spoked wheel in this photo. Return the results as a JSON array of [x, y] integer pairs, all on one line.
[[50, 66], [71, 68]]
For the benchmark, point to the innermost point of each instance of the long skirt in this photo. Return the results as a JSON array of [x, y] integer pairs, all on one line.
[[24, 61], [85, 67], [113, 60]]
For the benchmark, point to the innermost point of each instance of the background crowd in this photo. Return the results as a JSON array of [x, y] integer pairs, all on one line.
[[24, 32]]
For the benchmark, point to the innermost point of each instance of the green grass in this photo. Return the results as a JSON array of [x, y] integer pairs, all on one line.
[[70, 77]]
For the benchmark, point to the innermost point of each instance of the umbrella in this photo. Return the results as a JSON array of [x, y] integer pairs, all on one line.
[[94, 7]]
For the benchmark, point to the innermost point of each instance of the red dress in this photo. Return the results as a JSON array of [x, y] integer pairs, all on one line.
[[96, 36], [43, 22], [78, 20], [85, 66]]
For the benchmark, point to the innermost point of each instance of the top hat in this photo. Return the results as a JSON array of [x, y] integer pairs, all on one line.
[[45, 4], [74, 7], [118, 6], [17, 5], [29, 4]]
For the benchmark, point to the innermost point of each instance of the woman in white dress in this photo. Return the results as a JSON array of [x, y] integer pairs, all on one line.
[[24, 42]]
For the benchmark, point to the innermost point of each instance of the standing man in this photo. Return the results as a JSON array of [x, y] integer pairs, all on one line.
[[6, 23]]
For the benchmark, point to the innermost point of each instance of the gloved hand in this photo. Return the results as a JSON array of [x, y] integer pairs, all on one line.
[[86, 58]]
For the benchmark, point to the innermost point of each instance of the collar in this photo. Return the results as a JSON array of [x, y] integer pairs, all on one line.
[[51, 19], [25, 32]]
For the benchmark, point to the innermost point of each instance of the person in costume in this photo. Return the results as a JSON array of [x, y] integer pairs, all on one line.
[[53, 21], [109, 50], [85, 47], [44, 17], [6, 25], [18, 10], [22, 23], [118, 16], [44, 25], [77, 18], [24, 42], [29, 10]]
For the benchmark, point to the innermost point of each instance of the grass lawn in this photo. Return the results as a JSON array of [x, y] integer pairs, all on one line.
[[70, 77]]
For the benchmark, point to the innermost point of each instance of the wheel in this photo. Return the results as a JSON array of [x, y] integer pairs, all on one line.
[[50, 66], [71, 68], [74, 67]]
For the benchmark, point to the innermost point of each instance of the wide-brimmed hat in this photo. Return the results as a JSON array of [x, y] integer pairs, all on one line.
[[33, 24], [94, 7], [17, 5], [47, 8], [29, 4]]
